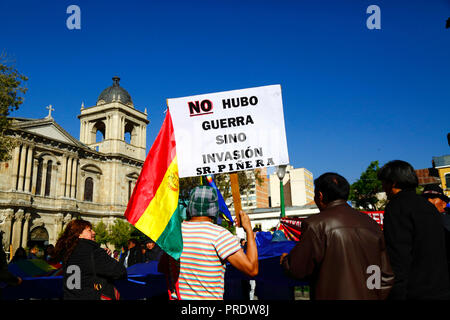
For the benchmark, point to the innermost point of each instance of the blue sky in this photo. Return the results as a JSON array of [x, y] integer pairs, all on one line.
[[351, 95]]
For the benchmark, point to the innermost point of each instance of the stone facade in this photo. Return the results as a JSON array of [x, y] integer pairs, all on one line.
[[53, 178]]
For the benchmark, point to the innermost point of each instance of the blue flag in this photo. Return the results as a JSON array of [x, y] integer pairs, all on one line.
[[222, 206]]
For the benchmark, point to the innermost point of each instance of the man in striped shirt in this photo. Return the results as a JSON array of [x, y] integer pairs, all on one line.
[[207, 247]]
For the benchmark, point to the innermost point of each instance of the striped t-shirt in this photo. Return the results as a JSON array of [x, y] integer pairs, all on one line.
[[202, 263]]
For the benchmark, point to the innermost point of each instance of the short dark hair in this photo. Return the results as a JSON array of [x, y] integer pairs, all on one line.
[[400, 173], [333, 186], [133, 240]]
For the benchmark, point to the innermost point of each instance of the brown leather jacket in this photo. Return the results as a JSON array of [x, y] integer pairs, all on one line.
[[335, 250]]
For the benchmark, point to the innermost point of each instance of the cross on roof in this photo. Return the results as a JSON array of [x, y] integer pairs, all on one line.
[[50, 109]]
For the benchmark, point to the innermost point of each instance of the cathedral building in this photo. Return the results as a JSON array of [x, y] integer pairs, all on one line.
[[53, 178]]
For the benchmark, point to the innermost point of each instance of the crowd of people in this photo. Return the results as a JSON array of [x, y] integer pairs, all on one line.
[[136, 252], [340, 247], [342, 253]]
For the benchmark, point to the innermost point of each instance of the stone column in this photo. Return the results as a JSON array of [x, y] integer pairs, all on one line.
[[34, 178], [68, 177], [26, 229], [22, 168], [54, 185], [86, 132], [58, 225], [16, 230], [44, 177], [62, 184], [15, 169], [82, 125], [74, 179], [109, 127], [28, 170], [7, 224]]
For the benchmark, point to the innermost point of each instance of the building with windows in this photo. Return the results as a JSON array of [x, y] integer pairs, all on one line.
[[257, 196], [298, 187], [53, 178], [442, 164]]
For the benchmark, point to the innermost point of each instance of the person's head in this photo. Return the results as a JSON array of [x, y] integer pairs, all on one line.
[[132, 243], [49, 248], [74, 231], [397, 175], [243, 241], [329, 187], [203, 202], [20, 253], [436, 196], [150, 244]]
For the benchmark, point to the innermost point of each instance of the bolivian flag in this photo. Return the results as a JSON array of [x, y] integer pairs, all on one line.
[[153, 206]]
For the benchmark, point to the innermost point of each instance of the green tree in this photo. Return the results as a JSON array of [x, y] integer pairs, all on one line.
[[102, 234], [222, 182], [364, 191], [231, 228], [120, 233], [11, 97]]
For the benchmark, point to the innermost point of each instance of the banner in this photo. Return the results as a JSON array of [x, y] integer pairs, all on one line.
[[378, 216], [229, 131], [291, 227]]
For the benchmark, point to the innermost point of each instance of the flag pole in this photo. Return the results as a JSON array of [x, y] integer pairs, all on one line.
[[236, 197]]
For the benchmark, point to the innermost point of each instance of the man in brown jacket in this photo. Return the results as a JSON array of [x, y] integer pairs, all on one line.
[[341, 251]]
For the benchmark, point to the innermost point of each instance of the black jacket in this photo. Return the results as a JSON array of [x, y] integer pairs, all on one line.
[[446, 222], [152, 255], [107, 270], [134, 257], [415, 244], [6, 276]]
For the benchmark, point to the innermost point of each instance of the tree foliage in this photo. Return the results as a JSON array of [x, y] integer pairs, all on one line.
[[222, 182], [11, 97], [118, 234], [364, 191], [102, 235]]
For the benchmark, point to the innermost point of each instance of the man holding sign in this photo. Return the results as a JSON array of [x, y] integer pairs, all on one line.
[[206, 247], [222, 132]]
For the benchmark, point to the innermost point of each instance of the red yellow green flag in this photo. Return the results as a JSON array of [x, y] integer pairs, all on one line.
[[153, 206]]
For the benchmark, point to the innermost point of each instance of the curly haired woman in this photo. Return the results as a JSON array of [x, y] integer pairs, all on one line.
[[89, 271]]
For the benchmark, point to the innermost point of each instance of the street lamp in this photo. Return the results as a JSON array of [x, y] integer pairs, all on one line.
[[281, 171]]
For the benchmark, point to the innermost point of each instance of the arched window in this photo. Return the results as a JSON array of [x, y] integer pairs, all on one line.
[[88, 189], [48, 179], [39, 177], [99, 136], [128, 134], [98, 132]]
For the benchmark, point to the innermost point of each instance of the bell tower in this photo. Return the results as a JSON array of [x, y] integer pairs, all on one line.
[[113, 125]]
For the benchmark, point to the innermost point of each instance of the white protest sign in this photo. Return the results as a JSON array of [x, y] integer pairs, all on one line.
[[229, 131]]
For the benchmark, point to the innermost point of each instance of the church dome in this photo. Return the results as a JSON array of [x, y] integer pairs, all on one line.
[[115, 93]]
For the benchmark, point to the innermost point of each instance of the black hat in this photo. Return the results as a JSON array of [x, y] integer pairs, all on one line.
[[434, 191]]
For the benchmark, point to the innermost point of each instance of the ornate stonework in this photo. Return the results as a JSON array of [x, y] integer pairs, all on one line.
[[53, 178]]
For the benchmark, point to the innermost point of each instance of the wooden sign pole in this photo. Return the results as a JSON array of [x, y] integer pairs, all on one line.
[[236, 197]]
